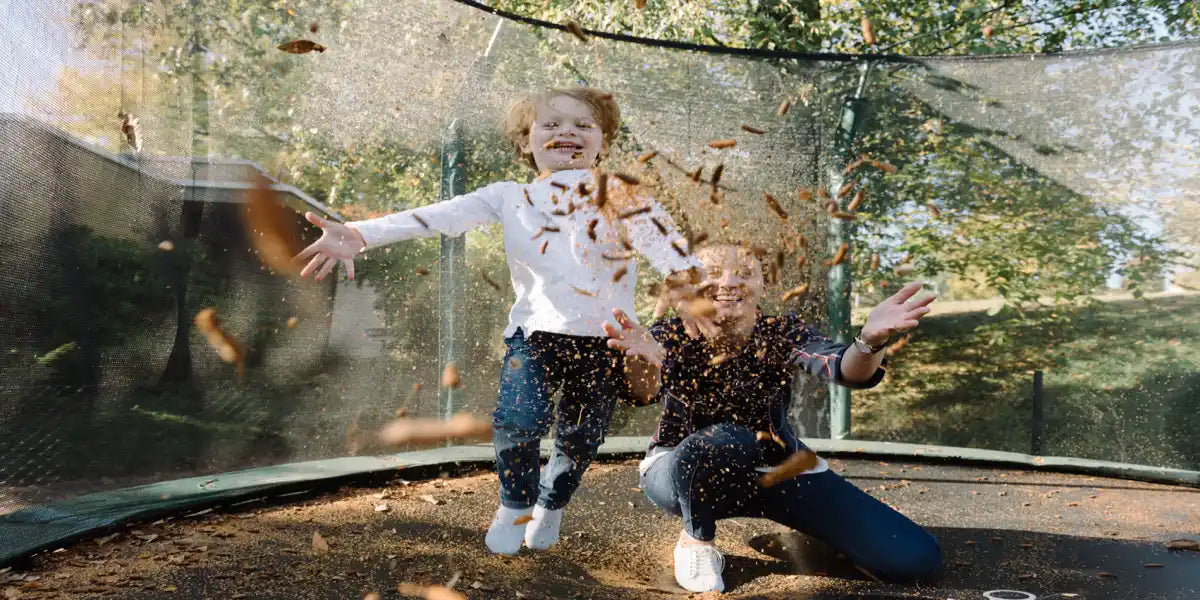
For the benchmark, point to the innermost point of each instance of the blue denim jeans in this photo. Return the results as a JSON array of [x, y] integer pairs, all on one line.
[[590, 376], [711, 476]]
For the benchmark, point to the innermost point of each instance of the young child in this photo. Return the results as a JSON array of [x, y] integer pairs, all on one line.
[[568, 255]]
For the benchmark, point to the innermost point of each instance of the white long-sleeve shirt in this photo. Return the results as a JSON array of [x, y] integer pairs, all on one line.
[[569, 288]]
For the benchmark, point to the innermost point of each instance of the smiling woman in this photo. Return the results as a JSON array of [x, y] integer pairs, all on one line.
[[725, 397]]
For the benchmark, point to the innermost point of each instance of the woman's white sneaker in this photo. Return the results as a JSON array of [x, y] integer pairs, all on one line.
[[698, 568], [507, 530], [543, 529]]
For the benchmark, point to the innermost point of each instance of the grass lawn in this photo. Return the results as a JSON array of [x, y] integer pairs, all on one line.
[[1122, 382]]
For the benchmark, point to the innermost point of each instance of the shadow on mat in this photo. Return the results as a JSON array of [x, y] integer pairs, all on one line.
[[977, 561]]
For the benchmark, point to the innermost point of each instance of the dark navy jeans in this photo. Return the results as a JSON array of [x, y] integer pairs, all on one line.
[[590, 376], [711, 476]]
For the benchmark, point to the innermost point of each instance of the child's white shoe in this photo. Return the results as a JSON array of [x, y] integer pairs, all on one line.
[[698, 568], [543, 529], [507, 530]]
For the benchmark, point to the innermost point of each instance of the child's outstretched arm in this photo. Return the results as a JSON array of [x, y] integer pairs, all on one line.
[[654, 236], [340, 243], [644, 364]]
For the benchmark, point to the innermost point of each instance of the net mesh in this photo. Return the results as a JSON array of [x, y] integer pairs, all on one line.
[[1065, 184]]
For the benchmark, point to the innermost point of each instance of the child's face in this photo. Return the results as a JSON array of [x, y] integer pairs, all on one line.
[[564, 135], [732, 280]]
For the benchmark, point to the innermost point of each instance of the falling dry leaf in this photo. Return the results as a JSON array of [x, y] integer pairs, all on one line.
[[845, 189], [633, 212], [775, 206], [574, 29], [716, 175], [272, 228], [450, 377], [601, 197], [658, 224], [852, 166], [933, 211], [988, 30], [858, 198], [903, 269], [803, 195], [619, 274], [227, 348], [166, 246], [488, 280], [629, 179], [1153, 565], [132, 130], [694, 175], [301, 47], [840, 256], [720, 144], [886, 167], [313, 27], [645, 158], [318, 542], [583, 292], [291, 322], [874, 261], [845, 216], [523, 519], [868, 32], [784, 107], [1183, 545], [752, 129], [718, 359], [900, 343], [542, 248], [424, 431], [794, 465], [795, 292]]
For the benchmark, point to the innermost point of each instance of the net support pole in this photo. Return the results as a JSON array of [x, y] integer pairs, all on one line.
[[849, 119], [452, 252], [452, 264]]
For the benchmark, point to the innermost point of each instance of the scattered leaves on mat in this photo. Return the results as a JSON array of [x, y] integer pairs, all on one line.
[[431, 592]]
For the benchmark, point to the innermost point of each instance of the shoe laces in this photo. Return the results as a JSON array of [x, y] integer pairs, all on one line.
[[705, 560]]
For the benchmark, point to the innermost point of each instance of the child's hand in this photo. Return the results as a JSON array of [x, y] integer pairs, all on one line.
[[338, 243], [895, 315], [634, 339]]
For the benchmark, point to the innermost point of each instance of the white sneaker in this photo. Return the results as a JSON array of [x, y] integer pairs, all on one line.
[[543, 530], [698, 568], [507, 530]]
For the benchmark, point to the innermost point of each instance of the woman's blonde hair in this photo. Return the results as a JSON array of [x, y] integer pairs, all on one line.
[[522, 114]]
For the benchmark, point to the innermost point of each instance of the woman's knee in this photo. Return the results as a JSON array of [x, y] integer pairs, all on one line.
[[725, 447]]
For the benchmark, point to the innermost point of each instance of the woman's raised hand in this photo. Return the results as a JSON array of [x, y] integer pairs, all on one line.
[[633, 339], [897, 314], [338, 243]]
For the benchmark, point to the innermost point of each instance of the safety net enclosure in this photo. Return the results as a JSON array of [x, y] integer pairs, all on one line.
[[1051, 201]]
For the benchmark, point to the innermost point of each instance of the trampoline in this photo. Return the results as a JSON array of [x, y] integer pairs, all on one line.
[[1042, 423]]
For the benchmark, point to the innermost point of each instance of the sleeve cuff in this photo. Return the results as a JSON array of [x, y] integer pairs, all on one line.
[[876, 377]]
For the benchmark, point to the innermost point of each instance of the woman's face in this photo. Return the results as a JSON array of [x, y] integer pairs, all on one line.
[[733, 281], [564, 135]]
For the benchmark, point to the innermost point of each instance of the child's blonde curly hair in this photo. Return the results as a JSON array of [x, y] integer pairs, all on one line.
[[522, 114]]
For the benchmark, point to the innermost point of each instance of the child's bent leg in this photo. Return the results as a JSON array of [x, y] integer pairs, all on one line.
[[521, 418], [592, 381], [870, 533]]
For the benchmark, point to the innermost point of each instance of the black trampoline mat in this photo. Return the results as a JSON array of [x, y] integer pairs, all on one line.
[[1005, 534]]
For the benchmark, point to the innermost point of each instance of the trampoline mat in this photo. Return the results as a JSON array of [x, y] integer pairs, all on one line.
[[1037, 535]]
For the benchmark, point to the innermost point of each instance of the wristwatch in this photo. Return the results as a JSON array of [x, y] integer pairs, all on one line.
[[863, 346]]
